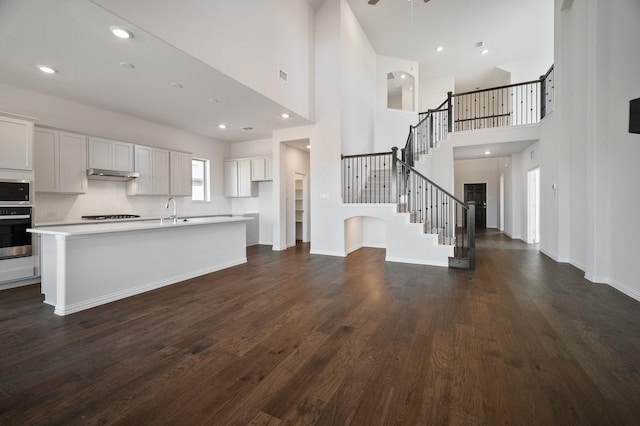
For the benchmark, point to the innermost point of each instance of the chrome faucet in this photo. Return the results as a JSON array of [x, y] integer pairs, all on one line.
[[174, 214]]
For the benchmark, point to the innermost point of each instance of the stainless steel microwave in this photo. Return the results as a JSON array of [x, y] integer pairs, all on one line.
[[14, 192]]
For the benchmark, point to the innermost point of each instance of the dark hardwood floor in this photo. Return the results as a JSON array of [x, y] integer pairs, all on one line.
[[291, 338]]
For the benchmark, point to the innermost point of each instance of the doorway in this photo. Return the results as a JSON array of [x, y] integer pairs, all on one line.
[[477, 192], [301, 212], [533, 206]]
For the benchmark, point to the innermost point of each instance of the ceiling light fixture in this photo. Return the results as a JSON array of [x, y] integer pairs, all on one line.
[[403, 76], [46, 69], [308, 146], [439, 49], [222, 126], [487, 152], [485, 51], [120, 33], [127, 65], [176, 85], [285, 115]]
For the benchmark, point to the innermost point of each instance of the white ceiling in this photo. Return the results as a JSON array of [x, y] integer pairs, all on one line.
[[502, 149], [73, 37], [517, 33]]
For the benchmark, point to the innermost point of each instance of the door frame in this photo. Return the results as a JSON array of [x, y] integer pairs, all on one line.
[[464, 194], [533, 205]]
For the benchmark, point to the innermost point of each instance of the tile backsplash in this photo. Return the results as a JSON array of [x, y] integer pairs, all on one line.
[[106, 197]]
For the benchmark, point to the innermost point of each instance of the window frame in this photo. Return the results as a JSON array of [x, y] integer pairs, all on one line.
[[206, 180]]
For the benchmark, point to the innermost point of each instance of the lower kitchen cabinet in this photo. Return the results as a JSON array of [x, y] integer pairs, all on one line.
[[60, 161]]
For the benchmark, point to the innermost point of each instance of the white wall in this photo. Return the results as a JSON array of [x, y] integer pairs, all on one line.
[[434, 91], [623, 149], [357, 85], [392, 125], [486, 170], [273, 34], [110, 197]]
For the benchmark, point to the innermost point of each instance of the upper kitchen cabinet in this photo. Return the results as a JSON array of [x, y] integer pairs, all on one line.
[[261, 169], [110, 155], [237, 179], [16, 144], [180, 172], [153, 166], [60, 161]]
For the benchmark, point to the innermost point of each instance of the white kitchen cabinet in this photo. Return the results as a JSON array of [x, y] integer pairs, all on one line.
[[110, 155], [237, 179], [261, 169], [153, 166], [16, 144], [180, 173], [60, 161]]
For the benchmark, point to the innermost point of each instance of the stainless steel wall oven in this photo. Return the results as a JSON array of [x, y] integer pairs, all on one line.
[[15, 218]]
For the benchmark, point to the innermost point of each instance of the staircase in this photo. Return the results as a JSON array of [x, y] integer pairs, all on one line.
[[391, 179]]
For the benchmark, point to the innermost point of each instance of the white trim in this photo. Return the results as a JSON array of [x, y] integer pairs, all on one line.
[[354, 248], [374, 245], [635, 294], [19, 283], [578, 266], [279, 248], [416, 261], [97, 301], [548, 254], [327, 253], [265, 243]]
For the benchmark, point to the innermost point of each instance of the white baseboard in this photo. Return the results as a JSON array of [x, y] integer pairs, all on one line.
[[416, 261], [374, 245], [328, 253], [548, 254], [21, 283], [635, 294], [354, 248], [97, 301]]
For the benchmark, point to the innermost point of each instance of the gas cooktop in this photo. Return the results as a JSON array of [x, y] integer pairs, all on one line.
[[110, 216]]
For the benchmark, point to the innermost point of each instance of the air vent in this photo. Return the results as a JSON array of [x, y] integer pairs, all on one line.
[[283, 76], [390, 76], [247, 128], [480, 44]]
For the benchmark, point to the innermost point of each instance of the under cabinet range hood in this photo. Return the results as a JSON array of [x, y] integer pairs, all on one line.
[[115, 175]]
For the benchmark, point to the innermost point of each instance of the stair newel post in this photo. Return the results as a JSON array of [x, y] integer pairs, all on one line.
[[543, 89], [394, 173], [471, 233], [450, 111]]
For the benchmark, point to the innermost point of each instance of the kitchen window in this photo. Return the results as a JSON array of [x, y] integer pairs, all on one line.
[[200, 179]]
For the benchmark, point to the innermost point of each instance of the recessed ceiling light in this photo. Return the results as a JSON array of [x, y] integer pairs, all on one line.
[[439, 49], [46, 69], [403, 76], [127, 65], [487, 152], [120, 33], [485, 51], [309, 146], [222, 126], [285, 115], [176, 85]]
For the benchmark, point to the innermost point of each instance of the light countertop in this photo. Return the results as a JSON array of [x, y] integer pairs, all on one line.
[[105, 227]]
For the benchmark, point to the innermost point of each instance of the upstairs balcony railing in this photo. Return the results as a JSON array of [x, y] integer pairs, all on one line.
[[504, 106]]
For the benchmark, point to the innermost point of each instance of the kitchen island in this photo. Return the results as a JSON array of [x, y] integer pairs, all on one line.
[[84, 266]]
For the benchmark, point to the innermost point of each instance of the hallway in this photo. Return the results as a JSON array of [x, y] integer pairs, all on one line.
[[293, 337]]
